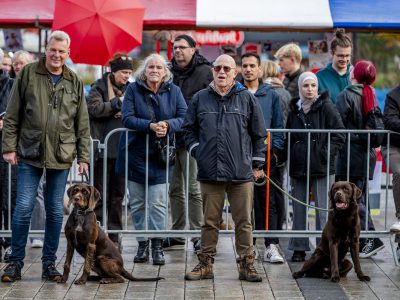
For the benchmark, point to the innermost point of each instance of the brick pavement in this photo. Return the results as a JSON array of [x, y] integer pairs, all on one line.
[[277, 281]]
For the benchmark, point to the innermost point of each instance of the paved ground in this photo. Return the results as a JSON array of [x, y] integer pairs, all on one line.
[[277, 280]]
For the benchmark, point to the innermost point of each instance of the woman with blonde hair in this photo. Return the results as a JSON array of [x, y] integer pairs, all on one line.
[[270, 73], [152, 106]]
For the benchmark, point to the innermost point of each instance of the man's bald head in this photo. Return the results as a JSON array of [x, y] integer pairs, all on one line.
[[228, 60]]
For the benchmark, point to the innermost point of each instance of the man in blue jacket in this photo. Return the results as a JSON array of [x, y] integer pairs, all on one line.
[[225, 132], [272, 112]]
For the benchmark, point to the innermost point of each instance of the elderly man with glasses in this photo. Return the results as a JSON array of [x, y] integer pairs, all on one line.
[[225, 132], [192, 72]]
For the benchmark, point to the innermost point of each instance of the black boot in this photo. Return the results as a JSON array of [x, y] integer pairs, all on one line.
[[142, 254], [157, 252]]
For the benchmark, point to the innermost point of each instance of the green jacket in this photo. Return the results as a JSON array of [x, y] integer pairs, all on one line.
[[47, 127], [330, 80]]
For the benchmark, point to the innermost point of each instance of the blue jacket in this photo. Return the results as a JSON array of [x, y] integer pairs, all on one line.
[[226, 134], [271, 108], [170, 106], [330, 80]]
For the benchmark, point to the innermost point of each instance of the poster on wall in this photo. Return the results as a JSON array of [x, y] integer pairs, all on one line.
[[318, 53], [12, 39]]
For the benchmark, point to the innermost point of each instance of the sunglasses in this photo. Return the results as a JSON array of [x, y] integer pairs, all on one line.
[[226, 69], [126, 58]]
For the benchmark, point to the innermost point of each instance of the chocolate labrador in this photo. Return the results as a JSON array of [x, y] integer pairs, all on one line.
[[341, 231], [85, 235]]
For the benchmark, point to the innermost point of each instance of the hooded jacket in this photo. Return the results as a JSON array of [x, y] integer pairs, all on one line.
[[104, 114], [271, 108], [284, 96], [391, 115], [169, 106], [349, 105], [322, 115], [226, 134], [6, 84], [47, 126], [330, 80], [196, 76]]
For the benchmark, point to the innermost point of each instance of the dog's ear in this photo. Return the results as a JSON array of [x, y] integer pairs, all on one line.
[[69, 191], [94, 197], [357, 193]]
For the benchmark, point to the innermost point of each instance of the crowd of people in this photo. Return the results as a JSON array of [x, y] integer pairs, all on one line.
[[201, 110]]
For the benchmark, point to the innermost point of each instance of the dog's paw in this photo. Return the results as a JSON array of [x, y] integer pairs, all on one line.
[[297, 275], [363, 277], [80, 282], [61, 279], [335, 278]]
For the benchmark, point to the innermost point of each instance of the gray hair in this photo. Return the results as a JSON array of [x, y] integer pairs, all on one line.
[[59, 35], [140, 72], [1, 55], [25, 54]]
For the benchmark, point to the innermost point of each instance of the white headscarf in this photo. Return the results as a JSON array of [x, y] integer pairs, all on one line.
[[306, 103]]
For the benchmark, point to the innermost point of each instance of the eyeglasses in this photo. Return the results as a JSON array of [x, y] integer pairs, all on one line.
[[180, 47], [226, 69], [343, 56], [126, 58]]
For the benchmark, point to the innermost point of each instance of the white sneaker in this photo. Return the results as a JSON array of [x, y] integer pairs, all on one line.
[[37, 243], [272, 254], [395, 228]]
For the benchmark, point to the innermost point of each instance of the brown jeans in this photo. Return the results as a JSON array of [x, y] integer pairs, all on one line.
[[240, 197]]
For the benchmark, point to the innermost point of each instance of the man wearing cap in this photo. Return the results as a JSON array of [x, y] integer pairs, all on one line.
[[104, 105], [192, 72]]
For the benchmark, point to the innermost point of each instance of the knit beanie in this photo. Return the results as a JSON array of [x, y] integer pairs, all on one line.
[[121, 63], [187, 38]]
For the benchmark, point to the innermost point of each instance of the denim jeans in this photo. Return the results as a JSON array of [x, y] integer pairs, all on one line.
[[27, 185], [156, 208], [38, 215]]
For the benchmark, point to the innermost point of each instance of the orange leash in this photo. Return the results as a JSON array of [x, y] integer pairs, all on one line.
[[267, 183]]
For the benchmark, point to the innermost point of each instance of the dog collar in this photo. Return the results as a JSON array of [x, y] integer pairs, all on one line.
[[81, 212]]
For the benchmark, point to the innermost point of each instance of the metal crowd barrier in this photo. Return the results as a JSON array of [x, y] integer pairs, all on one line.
[[381, 232]]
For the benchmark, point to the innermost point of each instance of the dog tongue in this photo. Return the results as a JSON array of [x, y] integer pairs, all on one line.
[[340, 205]]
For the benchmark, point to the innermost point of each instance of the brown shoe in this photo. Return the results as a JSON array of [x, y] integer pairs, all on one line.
[[203, 270], [247, 271]]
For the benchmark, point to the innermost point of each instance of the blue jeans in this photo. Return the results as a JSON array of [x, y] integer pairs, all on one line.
[[157, 206], [27, 185]]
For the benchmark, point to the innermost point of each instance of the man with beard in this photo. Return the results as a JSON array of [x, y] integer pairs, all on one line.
[[273, 117], [192, 72]]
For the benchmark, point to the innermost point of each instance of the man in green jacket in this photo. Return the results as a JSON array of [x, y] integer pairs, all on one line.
[[336, 75], [46, 127]]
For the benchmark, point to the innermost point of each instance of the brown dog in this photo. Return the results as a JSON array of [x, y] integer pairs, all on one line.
[[341, 231], [85, 235]]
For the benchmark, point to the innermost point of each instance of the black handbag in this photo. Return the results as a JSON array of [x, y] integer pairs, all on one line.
[[165, 153]]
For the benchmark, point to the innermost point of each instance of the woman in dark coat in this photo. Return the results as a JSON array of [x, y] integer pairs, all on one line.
[[104, 105], [154, 91], [353, 104], [311, 111]]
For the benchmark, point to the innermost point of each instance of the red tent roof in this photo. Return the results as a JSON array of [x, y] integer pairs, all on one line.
[[158, 13]]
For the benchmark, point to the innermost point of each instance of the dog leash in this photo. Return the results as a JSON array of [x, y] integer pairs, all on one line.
[[290, 196]]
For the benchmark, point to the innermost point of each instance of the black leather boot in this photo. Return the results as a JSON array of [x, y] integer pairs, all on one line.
[[157, 252], [142, 254]]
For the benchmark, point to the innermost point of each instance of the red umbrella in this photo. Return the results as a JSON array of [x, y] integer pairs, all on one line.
[[99, 28]]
